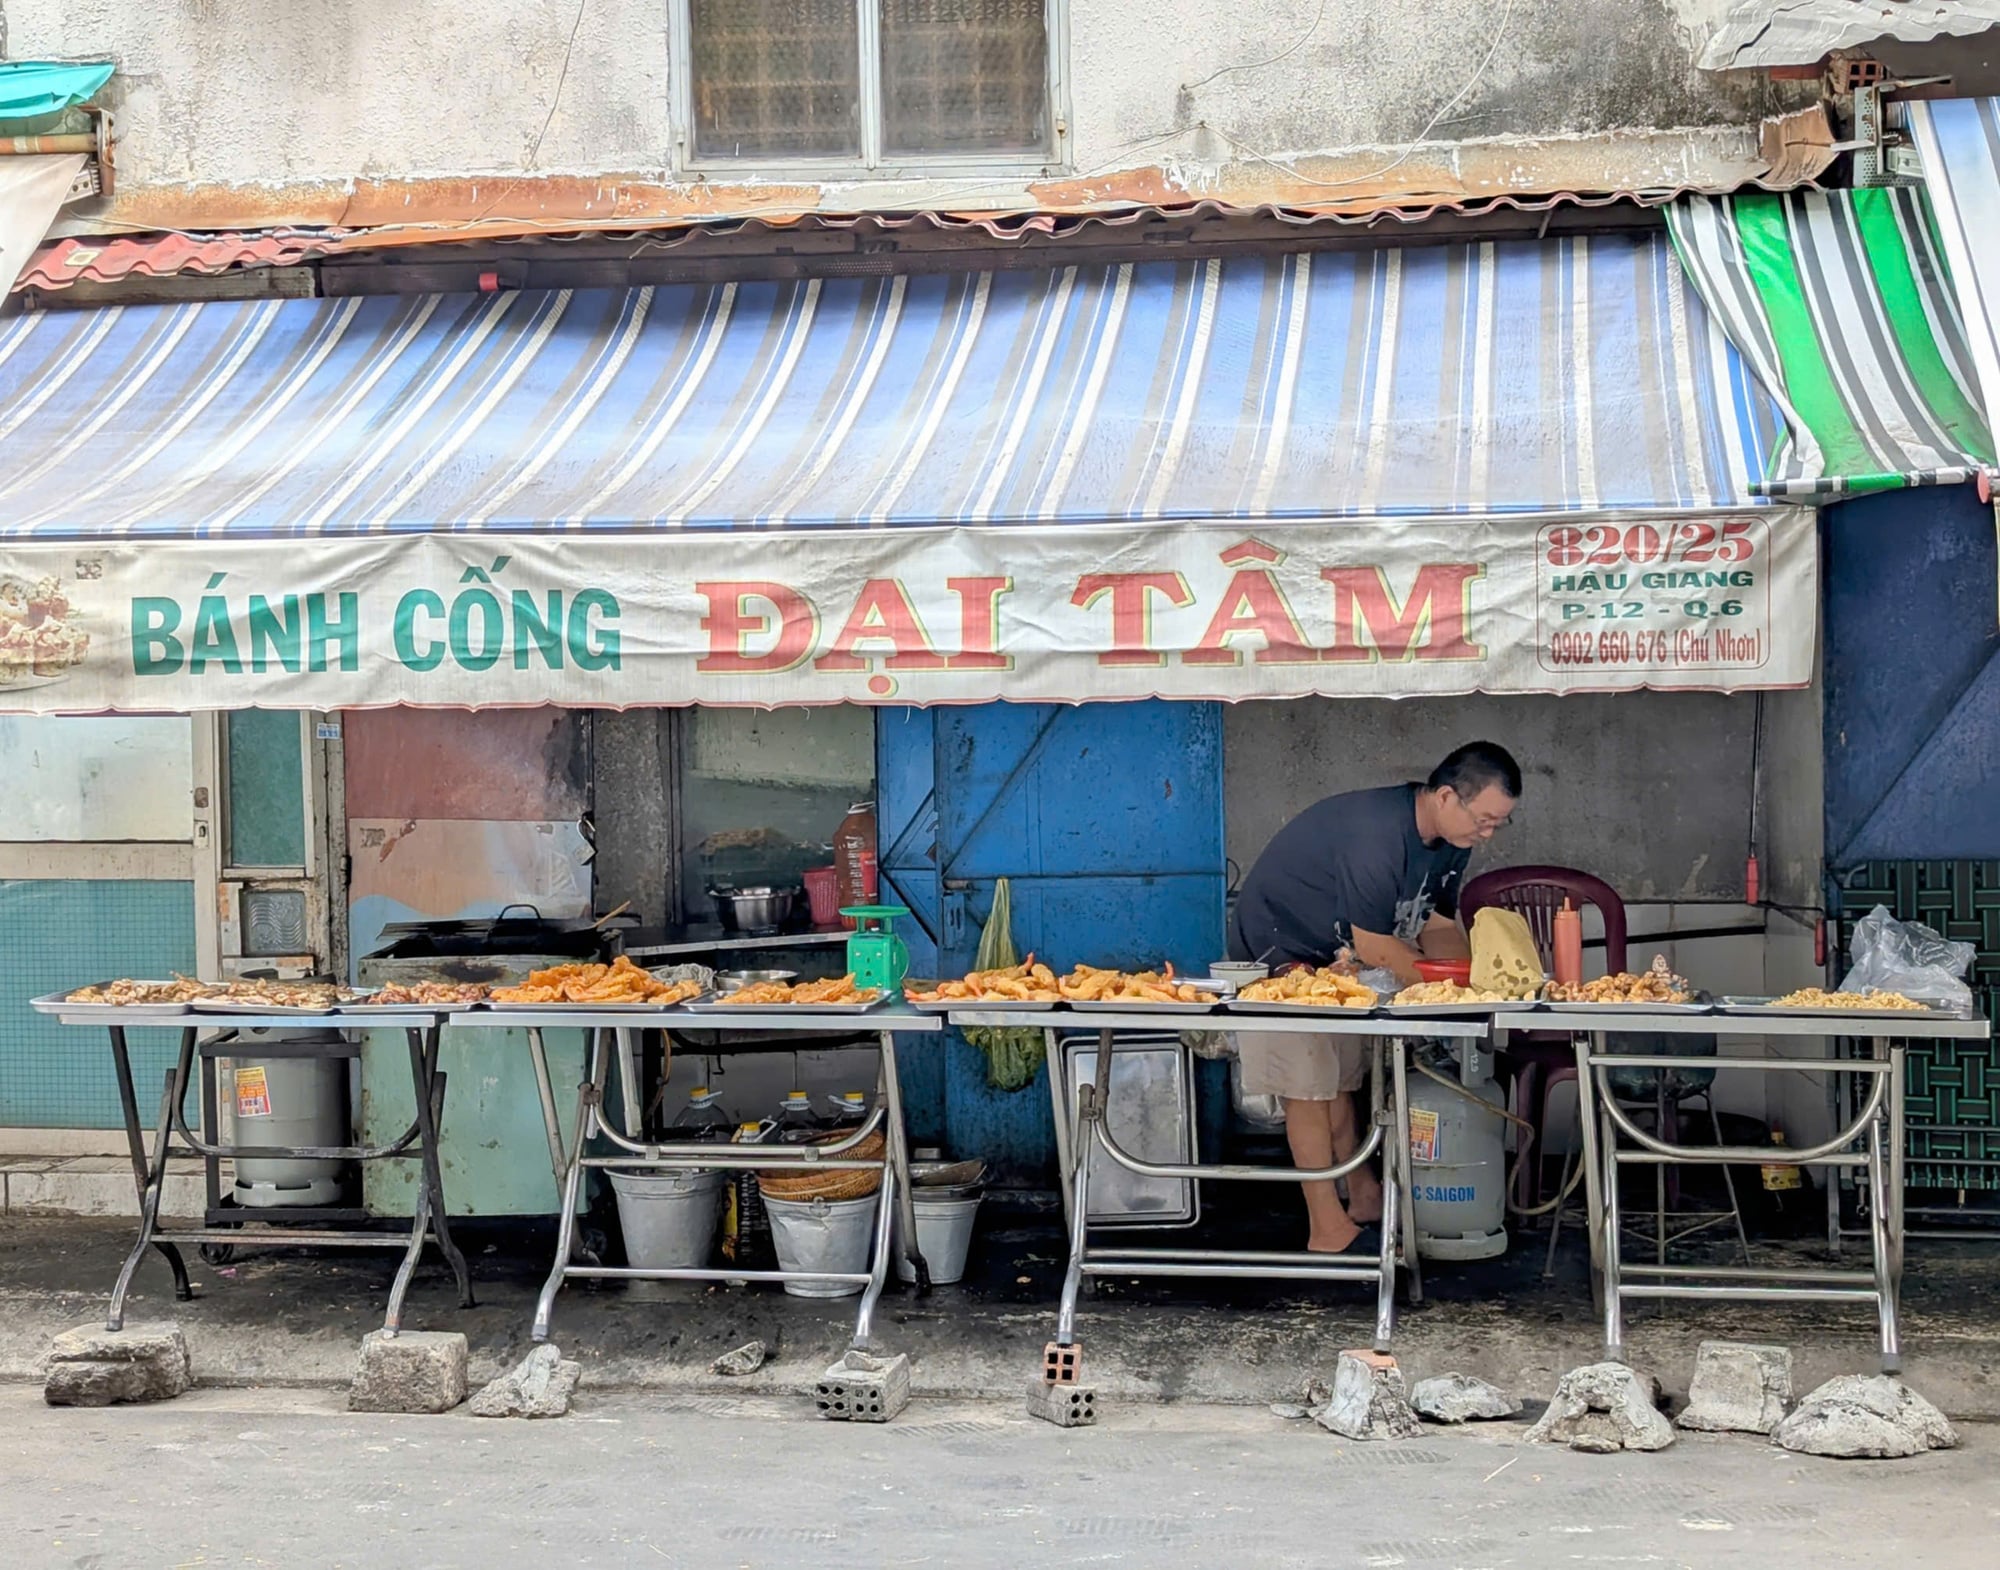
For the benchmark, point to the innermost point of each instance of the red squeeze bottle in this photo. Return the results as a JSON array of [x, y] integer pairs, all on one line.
[[1569, 945]]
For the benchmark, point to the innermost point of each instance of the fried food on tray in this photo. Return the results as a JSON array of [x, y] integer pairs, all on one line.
[[1027, 982], [432, 992], [1329, 987], [1658, 985], [125, 993], [1873, 998], [1089, 984], [1435, 992], [794, 994], [258, 993], [619, 982]]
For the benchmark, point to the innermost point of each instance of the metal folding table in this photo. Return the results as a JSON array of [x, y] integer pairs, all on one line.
[[1084, 1128], [776, 1028], [296, 1226], [1871, 1141]]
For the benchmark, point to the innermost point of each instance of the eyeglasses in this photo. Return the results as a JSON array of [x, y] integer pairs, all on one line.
[[1485, 823]]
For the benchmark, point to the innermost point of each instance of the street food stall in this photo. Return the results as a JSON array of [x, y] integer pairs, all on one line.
[[1054, 525]]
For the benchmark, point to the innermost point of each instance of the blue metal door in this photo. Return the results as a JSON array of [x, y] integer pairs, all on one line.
[[1107, 821]]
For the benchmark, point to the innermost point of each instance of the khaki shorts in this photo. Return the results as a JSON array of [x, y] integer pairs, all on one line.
[[1303, 1067]]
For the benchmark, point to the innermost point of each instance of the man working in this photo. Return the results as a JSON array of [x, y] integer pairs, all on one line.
[[1376, 872]]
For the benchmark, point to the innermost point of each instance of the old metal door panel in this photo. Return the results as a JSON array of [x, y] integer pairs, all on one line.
[[1106, 819]]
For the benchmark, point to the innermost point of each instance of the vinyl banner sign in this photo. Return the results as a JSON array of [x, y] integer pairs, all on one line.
[[1381, 607]]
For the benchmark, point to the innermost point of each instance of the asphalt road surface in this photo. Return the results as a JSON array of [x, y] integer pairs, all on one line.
[[291, 1479]]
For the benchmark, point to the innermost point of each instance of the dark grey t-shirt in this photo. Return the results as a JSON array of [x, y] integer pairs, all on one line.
[[1345, 862]]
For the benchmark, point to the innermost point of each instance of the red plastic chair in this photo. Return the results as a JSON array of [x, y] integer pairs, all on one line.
[[1544, 1059]]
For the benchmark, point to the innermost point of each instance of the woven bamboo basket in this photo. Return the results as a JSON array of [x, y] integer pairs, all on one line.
[[840, 1183]]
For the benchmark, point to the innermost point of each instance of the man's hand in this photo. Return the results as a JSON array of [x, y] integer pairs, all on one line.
[[1443, 938], [1377, 952]]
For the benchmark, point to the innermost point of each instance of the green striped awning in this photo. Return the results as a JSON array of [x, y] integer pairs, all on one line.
[[1841, 303]]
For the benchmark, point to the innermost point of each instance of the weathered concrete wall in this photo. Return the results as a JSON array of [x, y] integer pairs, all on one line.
[[1204, 95], [1651, 791]]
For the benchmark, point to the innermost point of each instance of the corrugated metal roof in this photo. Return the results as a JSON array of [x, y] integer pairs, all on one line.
[[62, 263], [66, 262], [1804, 32]]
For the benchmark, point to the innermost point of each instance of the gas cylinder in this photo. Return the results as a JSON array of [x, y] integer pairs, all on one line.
[[1458, 1155]]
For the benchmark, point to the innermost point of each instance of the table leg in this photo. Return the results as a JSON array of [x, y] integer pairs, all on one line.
[[135, 1144], [1064, 1114], [1392, 1208], [1593, 1176], [429, 1219], [151, 1193], [1614, 1304], [1899, 1135], [1090, 1111], [1879, 1226], [896, 1142], [538, 1055], [572, 1180], [1398, 1164], [878, 1270]]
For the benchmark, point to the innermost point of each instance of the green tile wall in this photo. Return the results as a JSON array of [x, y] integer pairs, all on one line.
[[55, 935], [1953, 1091]]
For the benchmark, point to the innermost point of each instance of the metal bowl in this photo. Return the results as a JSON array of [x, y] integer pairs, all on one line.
[[732, 980], [754, 910]]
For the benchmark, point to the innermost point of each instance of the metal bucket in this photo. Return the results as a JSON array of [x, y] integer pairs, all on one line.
[[818, 1235], [668, 1218], [944, 1237]]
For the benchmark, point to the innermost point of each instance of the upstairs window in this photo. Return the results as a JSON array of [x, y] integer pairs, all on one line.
[[868, 83]]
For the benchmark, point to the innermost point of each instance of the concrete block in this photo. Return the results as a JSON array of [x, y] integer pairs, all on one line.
[[1738, 1388], [1368, 1400], [92, 1366], [862, 1388], [1863, 1415], [1062, 1365], [1459, 1398], [1066, 1406], [414, 1371], [1603, 1407], [538, 1386]]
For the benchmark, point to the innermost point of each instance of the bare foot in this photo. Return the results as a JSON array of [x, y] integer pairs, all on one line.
[[1335, 1240], [1364, 1197]]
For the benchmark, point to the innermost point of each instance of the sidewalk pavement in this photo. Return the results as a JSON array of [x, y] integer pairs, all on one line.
[[296, 1318]]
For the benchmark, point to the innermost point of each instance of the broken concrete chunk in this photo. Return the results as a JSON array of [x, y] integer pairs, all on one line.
[[746, 1359], [413, 1371], [540, 1385], [1865, 1415], [1459, 1398], [1738, 1388], [1368, 1400], [92, 1366], [1602, 1407]]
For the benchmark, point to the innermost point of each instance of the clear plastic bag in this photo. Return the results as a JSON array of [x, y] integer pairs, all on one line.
[[1908, 957]]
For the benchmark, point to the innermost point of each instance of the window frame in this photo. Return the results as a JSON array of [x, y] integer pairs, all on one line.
[[872, 163]]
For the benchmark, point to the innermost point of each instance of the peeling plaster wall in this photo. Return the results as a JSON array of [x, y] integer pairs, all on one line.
[[288, 92]]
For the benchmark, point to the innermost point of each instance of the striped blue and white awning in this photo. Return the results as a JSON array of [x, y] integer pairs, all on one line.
[[1959, 142], [1572, 375]]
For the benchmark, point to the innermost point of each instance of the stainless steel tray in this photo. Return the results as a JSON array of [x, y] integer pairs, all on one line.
[[55, 1003], [1137, 1006], [1770, 1010], [581, 1008], [1309, 1010], [715, 1005], [977, 1005], [1453, 1010], [232, 1006], [364, 1008], [1628, 1008]]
